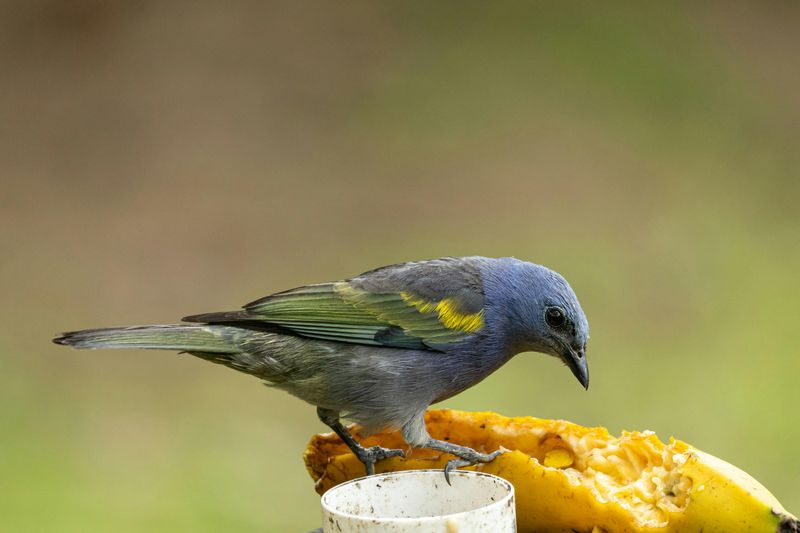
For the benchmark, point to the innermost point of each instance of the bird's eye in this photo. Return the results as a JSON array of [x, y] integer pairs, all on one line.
[[555, 317]]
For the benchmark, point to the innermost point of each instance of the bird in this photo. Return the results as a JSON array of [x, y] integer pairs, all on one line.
[[379, 348]]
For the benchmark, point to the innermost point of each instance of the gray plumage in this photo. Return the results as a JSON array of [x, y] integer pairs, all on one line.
[[381, 347]]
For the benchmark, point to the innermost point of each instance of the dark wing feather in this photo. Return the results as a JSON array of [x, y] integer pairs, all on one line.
[[429, 304]]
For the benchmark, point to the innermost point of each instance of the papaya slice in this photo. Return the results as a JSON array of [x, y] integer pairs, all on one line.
[[570, 478]]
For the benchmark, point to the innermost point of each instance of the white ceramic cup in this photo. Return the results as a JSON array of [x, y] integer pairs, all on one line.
[[420, 501]]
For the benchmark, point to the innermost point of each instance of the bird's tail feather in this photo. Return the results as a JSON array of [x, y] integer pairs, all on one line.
[[188, 338]]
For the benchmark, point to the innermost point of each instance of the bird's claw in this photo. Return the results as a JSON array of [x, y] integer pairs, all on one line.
[[470, 459], [454, 464], [370, 456]]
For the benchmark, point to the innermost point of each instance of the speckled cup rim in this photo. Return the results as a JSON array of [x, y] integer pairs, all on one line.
[[466, 474]]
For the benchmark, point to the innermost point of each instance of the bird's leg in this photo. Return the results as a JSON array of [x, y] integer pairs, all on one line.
[[466, 456], [368, 456], [416, 434]]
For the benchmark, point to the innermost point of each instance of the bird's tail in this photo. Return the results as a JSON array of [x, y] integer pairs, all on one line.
[[188, 338]]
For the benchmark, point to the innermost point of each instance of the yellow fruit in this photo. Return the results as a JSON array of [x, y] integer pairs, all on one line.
[[569, 478]]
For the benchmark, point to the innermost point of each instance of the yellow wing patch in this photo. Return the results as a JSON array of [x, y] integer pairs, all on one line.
[[448, 313]]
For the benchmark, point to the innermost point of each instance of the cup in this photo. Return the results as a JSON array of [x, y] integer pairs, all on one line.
[[420, 501]]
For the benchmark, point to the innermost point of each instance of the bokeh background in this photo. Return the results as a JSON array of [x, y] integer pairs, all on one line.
[[165, 158]]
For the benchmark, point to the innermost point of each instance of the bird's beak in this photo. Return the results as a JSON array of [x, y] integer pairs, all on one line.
[[576, 361]]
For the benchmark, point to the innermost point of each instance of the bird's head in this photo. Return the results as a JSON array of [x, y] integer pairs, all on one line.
[[544, 316]]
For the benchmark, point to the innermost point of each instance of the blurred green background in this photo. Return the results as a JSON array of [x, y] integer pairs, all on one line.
[[165, 158]]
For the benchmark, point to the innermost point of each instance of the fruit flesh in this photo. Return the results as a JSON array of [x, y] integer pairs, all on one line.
[[572, 478]]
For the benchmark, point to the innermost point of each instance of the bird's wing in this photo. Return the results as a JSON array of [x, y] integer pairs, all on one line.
[[422, 305]]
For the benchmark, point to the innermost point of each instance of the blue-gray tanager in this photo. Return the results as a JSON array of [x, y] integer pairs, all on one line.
[[379, 348]]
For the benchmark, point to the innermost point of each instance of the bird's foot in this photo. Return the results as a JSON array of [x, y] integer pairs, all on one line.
[[465, 456], [370, 456], [469, 459]]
